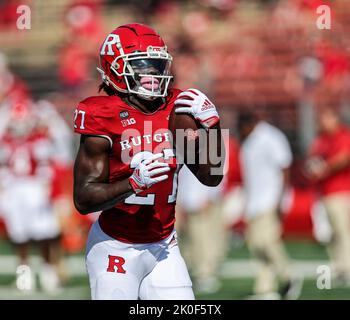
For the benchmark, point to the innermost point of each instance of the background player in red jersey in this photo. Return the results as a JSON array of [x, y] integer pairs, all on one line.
[[27, 169], [125, 167], [328, 167]]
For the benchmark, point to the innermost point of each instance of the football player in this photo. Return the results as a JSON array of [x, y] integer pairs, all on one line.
[[26, 182], [125, 168]]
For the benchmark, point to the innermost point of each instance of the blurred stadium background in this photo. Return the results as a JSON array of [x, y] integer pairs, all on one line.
[[268, 54]]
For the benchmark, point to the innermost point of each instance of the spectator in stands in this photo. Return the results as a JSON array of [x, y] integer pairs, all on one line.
[[8, 13], [265, 160], [84, 26], [328, 166]]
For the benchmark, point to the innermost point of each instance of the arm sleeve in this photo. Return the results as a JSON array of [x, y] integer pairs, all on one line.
[[89, 122]]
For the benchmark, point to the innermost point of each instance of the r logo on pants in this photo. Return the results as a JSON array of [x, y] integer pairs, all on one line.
[[115, 261]]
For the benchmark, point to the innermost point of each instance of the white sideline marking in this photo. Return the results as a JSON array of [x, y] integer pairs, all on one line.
[[240, 268]]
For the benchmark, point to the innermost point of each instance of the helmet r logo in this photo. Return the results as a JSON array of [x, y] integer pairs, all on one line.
[[111, 40]]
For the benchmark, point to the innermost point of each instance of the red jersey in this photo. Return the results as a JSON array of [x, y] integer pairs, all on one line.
[[328, 146], [150, 215], [26, 156]]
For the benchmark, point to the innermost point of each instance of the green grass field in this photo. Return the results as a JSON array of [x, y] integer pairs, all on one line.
[[233, 287]]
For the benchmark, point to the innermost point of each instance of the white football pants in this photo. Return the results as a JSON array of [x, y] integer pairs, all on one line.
[[151, 271]]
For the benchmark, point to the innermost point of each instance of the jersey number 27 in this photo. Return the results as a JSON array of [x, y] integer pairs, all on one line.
[[149, 199]]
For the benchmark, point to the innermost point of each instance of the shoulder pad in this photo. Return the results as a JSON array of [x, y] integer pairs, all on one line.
[[97, 115]]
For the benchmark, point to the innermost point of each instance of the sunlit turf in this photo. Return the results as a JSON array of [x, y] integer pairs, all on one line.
[[300, 250], [241, 289], [77, 287], [297, 249], [232, 289]]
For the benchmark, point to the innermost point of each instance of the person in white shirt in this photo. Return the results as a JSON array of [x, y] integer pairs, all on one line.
[[265, 160]]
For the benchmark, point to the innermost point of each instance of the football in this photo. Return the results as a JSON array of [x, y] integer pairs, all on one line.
[[189, 125], [181, 121]]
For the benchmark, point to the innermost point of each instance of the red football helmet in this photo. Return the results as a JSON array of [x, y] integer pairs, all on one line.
[[134, 59]]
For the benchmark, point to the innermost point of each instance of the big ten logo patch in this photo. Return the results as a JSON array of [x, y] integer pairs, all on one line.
[[128, 122], [115, 264], [125, 120]]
